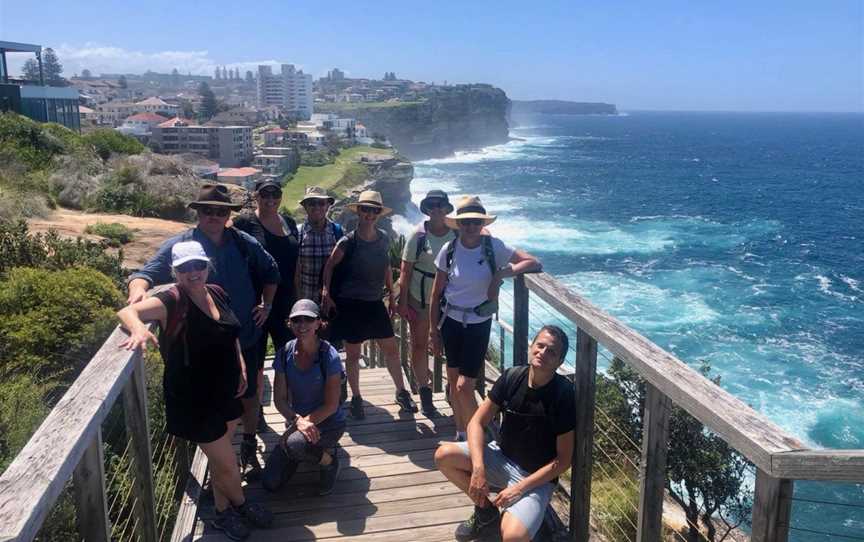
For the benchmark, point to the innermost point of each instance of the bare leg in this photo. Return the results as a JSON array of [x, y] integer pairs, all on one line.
[[352, 366], [466, 398], [455, 465], [512, 530], [452, 381], [419, 350], [251, 406], [224, 474], [394, 366]]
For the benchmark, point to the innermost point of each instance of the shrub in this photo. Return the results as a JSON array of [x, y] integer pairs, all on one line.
[[117, 234], [19, 248], [316, 158], [52, 322], [21, 411], [107, 141]]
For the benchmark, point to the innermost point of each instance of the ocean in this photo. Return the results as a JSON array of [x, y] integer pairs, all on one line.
[[735, 239]]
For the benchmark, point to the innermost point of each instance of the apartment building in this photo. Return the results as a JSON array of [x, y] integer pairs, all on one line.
[[230, 146], [291, 89]]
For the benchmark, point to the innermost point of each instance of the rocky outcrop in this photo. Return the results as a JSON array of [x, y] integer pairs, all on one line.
[[449, 119], [391, 176]]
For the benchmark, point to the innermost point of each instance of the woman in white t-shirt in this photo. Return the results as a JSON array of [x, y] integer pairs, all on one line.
[[415, 286], [469, 273]]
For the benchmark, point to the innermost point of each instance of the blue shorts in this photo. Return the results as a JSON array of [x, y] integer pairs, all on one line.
[[501, 472]]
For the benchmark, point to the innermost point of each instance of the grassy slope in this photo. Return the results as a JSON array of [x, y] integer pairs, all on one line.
[[345, 172]]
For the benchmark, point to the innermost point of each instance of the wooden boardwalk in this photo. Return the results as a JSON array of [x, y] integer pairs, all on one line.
[[388, 490]]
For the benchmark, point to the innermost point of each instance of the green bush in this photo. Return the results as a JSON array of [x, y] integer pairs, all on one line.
[[117, 234], [614, 503], [22, 409], [316, 158], [19, 248], [107, 141], [52, 322], [124, 192], [26, 141]]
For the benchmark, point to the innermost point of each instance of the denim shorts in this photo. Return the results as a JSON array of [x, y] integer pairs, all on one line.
[[501, 472]]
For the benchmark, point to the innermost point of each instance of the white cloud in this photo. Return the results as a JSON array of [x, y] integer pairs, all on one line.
[[100, 58]]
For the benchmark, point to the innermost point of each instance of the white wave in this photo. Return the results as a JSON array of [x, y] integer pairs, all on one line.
[[512, 150], [851, 283]]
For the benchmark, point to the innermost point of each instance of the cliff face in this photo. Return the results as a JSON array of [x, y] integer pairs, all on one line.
[[453, 118], [392, 178]]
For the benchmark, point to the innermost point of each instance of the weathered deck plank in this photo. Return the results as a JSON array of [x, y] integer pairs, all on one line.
[[388, 489]]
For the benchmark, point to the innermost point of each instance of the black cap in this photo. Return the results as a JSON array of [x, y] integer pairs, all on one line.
[[261, 185], [439, 195]]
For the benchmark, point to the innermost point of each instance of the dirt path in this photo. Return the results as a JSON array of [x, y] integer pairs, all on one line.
[[149, 234]]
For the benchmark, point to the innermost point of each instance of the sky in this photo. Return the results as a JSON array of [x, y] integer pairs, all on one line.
[[768, 55]]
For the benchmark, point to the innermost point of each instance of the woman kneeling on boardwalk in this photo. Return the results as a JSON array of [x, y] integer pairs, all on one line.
[[535, 446], [306, 389], [469, 273], [204, 378]]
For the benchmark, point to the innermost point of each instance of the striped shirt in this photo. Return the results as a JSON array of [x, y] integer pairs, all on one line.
[[315, 248]]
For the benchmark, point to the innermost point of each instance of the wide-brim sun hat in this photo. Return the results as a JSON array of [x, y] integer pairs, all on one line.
[[468, 207], [370, 198], [316, 192], [436, 195], [214, 195], [305, 307], [187, 251]]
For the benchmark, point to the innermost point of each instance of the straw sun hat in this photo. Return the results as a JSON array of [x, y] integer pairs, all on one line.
[[372, 199], [468, 207]]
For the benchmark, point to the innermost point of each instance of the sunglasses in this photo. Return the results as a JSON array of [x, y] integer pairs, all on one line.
[[302, 319], [191, 265], [369, 209], [214, 211], [471, 222], [315, 203], [271, 194], [435, 204]]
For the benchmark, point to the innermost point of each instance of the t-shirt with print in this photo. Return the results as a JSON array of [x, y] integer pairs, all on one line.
[[366, 267], [550, 411], [307, 387], [425, 261], [469, 277]]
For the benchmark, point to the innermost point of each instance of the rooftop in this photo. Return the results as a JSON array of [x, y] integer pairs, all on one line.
[[147, 117], [154, 100], [239, 172], [177, 121]]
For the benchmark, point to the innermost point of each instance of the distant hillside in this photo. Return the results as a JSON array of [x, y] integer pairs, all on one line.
[[561, 107], [450, 119]]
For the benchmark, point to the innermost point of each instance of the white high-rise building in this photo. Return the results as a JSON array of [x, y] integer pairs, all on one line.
[[291, 90]]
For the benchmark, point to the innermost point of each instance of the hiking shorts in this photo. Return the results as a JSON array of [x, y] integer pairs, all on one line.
[[254, 362], [465, 345], [501, 472]]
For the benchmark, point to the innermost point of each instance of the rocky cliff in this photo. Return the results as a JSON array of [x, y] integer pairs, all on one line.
[[449, 119]]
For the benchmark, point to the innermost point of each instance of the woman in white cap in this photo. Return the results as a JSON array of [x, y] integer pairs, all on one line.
[[204, 377], [469, 273], [306, 390], [355, 277], [415, 285]]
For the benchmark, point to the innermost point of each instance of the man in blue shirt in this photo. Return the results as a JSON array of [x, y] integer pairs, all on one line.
[[241, 267]]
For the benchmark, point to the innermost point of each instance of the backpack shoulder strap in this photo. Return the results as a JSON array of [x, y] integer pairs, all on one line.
[[451, 249], [338, 230], [177, 318], [489, 253], [515, 389], [422, 239]]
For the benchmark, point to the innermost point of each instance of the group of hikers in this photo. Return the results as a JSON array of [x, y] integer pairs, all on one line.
[[313, 288]]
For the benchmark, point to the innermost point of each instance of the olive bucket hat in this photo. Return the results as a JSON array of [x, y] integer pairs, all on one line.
[[215, 195]]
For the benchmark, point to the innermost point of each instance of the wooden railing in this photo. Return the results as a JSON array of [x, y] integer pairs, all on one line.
[[68, 444], [780, 458]]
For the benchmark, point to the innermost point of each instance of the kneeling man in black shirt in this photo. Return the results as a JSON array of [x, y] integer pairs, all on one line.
[[535, 447]]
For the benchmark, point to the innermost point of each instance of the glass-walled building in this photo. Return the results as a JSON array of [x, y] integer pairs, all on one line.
[[33, 98]]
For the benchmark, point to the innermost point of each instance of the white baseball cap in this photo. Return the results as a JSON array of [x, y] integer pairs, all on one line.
[[186, 252]]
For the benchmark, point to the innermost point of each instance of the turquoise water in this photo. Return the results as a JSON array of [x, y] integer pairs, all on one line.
[[730, 238]]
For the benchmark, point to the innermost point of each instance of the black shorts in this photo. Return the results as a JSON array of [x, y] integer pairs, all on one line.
[[201, 422], [465, 346], [357, 321], [254, 362]]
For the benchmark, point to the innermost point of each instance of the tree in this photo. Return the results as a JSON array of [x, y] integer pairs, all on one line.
[[175, 77], [85, 74], [122, 82], [31, 70], [209, 106], [705, 476], [52, 68]]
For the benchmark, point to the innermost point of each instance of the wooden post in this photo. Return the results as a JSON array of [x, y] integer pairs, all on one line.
[[584, 379], [88, 481], [520, 321], [480, 385], [652, 470], [502, 344], [135, 410], [438, 375], [772, 507]]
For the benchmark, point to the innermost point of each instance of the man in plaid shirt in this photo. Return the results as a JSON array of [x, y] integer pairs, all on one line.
[[318, 236]]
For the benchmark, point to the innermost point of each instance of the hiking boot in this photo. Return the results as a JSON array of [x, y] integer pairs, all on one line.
[[329, 474], [262, 423], [482, 523], [358, 412], [256, 515], [229, 522], [278, 468], [405, 402], [427, 407], [249, 458]]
